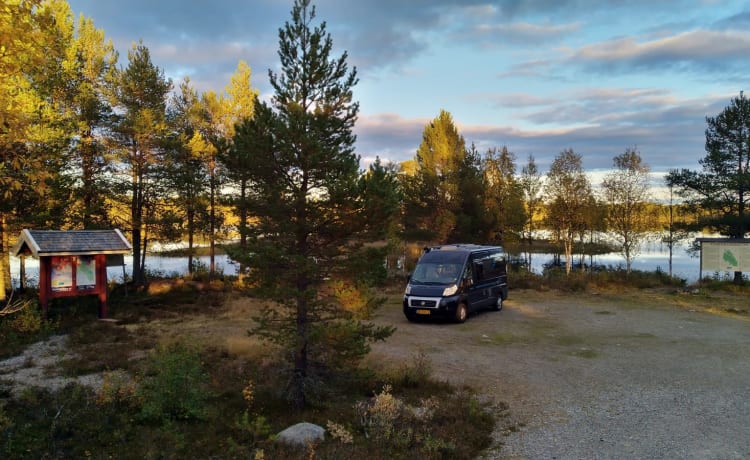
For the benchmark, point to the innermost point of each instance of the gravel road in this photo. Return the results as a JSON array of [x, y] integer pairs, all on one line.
[[590, 377]]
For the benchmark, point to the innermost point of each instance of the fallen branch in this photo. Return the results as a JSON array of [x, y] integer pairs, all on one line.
[[14, 307]]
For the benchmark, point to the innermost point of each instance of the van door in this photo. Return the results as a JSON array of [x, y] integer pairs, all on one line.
[[478, 292]]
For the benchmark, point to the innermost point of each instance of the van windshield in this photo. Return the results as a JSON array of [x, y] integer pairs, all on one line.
[[436, 273]]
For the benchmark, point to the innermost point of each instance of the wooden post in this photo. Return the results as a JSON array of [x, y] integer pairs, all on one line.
[[101, 283], [22, 273], [45, 273]]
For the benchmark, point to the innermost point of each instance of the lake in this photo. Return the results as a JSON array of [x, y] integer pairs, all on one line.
[[654, 255]]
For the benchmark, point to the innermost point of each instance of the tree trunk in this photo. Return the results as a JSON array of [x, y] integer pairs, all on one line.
[[568, 253], [212, 223], [191, 236], [299, 376], [136, 211], [242, 211], [4, 260]]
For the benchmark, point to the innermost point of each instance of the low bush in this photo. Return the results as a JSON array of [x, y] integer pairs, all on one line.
[[602, 278], [174, 385]]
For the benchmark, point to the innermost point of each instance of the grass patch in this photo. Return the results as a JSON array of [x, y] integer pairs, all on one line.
[[583, 353], [501, 338], [162, 399], [612, 279], [569, 340]]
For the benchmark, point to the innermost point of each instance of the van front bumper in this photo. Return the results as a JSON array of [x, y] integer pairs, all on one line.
[[430, 307]]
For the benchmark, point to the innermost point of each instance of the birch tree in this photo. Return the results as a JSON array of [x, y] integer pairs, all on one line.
[[626, 192], [568, 193]]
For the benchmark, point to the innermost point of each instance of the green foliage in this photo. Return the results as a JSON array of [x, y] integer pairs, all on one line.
[[142, 93], [28, 320], [431, 428], [431, 193], [382, 197], [366, 266], [173, 386], [722, 189], [415, 374], [24, 327], [626, 191], [612, 277], [307, 204], [569, 196], [504, 197]]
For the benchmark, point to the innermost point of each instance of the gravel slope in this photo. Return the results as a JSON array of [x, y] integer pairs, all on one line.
[[589, 378]]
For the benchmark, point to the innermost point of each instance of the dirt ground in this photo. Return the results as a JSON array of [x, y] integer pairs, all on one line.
[[597, 376], [586, 376]]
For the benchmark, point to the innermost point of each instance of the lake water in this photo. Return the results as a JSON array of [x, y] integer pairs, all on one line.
[[167, 266], [653, 256]]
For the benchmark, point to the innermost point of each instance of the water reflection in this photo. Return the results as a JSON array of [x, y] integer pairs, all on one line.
[[653, 256], [163, 266]]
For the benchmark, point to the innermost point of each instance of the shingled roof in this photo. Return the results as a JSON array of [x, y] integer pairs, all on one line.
[[71, 242]]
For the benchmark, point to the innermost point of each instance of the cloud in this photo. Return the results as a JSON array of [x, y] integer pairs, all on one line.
[[522, 33], [668, 131], [697, 50], [739, 21]]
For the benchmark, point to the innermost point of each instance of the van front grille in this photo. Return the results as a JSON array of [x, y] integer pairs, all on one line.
[[422, 303]]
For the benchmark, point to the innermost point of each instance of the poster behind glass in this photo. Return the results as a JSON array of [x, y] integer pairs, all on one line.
[[86, 272], [62, 273]]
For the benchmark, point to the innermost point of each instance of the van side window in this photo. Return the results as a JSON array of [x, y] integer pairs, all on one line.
[[467, 272], [490, 265]]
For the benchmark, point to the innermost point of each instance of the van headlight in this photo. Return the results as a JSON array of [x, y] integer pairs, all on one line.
[[408, 289], [450, 290]]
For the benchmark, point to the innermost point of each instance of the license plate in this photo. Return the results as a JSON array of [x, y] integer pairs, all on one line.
[[423, 312]]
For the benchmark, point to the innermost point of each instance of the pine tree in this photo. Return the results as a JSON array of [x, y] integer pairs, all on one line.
[[722, 188], [432, 193], [308, 212], [142, 97]]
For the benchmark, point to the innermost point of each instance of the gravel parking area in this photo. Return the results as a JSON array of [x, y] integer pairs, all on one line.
[[591, 376]]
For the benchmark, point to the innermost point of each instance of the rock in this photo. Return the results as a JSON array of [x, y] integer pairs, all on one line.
[[302, 433]]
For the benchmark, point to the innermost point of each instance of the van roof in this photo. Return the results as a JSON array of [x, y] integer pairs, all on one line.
[[460, 248]]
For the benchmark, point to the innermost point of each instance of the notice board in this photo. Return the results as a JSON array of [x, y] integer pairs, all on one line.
[[725, 256]]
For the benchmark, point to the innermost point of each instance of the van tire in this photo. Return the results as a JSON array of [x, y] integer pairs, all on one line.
[[461, 313], [498, 305], [412, 318]]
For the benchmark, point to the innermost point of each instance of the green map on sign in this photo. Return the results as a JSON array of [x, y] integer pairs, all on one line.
[[730, 258]]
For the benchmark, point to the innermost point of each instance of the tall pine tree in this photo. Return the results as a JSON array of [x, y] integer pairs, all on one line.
[[307, 207], [142, 94], [722, 188]]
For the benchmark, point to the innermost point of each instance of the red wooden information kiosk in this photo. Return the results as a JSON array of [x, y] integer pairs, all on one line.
[[73, 263]]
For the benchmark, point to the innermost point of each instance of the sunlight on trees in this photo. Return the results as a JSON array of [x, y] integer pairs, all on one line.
[[568, 193], [85, 143], [626, 192], [722, 188], [307, 205]]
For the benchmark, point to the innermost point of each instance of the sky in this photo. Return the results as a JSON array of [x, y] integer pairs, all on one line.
[[536, 76]]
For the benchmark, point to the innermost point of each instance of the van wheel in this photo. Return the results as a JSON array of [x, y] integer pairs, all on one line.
[[498, 305], [461, 313], [412, 318]]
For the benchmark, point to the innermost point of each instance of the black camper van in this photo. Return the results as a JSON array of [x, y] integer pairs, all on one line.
[[451, 281]]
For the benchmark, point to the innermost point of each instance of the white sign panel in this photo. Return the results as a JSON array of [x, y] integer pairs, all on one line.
[[725, 257]]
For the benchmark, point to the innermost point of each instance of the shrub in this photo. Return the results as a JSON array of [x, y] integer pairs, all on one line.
[[28, 320], [416, 373], [174, 386]]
